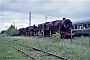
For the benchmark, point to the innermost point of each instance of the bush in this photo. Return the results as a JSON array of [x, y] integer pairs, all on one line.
[[56, 36], [12, 31], [3, 32]]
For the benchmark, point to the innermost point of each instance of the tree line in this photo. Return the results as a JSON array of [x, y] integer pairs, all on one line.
[[11, 31]]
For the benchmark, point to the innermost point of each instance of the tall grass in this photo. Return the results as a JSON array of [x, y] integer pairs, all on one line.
[[79, 48], [9, 53]]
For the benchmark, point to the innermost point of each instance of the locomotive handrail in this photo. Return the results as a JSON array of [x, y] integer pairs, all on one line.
[[80, 29]]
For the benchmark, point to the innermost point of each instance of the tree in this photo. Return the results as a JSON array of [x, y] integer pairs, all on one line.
[[12, 31], [3, 32]]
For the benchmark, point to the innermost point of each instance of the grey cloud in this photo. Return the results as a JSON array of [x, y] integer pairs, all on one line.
[[53, 9], [50, 8]]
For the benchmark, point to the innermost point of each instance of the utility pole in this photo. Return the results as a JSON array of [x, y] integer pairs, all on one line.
[[22, 26], [14, 24], [29, 18], [0, 25], [46, 18]]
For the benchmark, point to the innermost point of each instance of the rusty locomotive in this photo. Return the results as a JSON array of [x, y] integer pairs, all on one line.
[[47, 29]]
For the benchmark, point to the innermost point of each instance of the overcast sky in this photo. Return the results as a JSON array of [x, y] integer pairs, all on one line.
[[17, 11]]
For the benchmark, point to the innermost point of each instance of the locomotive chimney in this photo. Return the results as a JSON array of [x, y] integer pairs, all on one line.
[[64, 18]]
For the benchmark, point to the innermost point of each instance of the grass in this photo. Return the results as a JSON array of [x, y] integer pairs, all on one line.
[[9, 53], [79, 48]]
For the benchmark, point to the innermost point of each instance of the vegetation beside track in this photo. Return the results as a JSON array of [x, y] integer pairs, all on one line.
[[9, 53], [79, 49]]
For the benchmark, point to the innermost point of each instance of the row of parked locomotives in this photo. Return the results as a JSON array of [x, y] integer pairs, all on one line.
[[81, 28], [47, 29]]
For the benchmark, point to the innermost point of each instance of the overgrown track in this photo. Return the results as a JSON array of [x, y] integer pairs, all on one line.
[[35, 49], [19, 50]]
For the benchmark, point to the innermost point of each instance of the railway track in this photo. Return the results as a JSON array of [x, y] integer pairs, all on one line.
[[19, 50], [35, 49]]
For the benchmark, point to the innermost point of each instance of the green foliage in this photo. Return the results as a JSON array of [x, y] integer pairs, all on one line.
[[12, 31], [3, 31], [56, 35]]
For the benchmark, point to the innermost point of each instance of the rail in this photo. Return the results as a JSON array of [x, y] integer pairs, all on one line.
[[38, 49], [28, 55]]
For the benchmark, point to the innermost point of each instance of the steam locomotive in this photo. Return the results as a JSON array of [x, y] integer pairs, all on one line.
[[47, 29]]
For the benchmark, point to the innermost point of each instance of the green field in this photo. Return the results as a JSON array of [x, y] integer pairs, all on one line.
[[79, 48], [9, 53]]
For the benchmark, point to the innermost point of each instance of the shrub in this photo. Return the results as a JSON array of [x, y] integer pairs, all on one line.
[[56, 36], [12, 31]]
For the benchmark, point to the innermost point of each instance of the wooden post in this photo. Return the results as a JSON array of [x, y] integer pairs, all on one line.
[[60, 31], [89, 36], [30, 33], [34, 33], [43, 33], [50, 34], [71, 36]]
